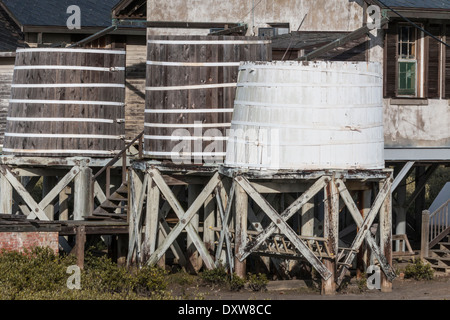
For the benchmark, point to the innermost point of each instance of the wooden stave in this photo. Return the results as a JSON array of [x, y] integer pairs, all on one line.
[[218, 98], [72, 77]]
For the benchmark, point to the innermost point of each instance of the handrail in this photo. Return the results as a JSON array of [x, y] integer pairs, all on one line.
[[435, 227], [116, 158], [439, 223], [122, 153]]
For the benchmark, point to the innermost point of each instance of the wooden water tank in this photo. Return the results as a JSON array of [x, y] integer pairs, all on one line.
[[308, 116], [66, 102], [191, 85]]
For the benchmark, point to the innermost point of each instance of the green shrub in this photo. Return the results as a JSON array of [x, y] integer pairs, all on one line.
[[217, 275], [237, 283], [257, 282], [150, 280], [419, 270], [42, 275], [37, 270]]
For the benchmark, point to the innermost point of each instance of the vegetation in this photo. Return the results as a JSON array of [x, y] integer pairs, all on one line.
[[419, 271], [41, 274]]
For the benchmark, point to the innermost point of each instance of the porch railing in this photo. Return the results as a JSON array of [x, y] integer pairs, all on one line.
[[435, 227]]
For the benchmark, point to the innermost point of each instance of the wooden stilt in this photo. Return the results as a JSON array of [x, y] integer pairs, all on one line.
[[82, 205], [6, 195], [386, 239], [241, 214], [331, 232], [80, 241], [194, 262]]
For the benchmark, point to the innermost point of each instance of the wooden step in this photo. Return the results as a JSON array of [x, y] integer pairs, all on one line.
[[123, 189], [440, 253], [117, 197], [111, 215]]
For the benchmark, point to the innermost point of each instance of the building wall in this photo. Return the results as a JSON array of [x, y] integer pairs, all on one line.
[[135, 86], [417, 125], [21, 241], [6, 76], [321, 15]]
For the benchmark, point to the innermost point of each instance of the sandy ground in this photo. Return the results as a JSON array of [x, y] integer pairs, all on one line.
[[405, 289]]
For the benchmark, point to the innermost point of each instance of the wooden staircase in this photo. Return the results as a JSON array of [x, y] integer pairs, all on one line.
[[114, 207], [439, 256]]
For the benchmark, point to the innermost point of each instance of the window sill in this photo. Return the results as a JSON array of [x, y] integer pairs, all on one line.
[[409, 101]]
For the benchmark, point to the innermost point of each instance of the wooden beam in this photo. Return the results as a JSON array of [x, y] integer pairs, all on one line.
[[280, 223], [339, 42], [365, 227], [291, 210], [354, 211], [224, 234], [385, 231], [240, 238], [184, 218], [57, 189], [27, 198]]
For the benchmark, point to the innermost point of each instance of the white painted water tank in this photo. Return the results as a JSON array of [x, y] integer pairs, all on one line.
[[307, 116]]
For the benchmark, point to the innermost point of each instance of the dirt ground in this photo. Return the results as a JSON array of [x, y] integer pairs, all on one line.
[[403, 289]]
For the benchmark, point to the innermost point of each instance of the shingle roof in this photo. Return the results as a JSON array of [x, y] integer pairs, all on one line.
[[425, 4], [10, 35], [94, 13]]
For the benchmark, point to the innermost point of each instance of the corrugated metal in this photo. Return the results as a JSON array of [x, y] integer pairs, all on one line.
[[316, 115]]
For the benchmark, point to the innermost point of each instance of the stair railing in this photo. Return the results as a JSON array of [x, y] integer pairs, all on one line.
[[107, 168], [435, 227]]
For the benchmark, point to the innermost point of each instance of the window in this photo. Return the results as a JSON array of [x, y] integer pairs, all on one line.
[[407, 61]]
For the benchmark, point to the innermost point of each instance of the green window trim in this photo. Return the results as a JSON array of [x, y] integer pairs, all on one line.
[[407, 80]]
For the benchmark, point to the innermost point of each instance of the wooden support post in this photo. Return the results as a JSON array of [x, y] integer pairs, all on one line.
[[400, 211], [151, 220], [194, 260], [209, 221], [122, 248], [6, 195], [331, 232], [47, 185], [385, 228], [184, 218], [365, 197], [241, 213], [82, 204], [80, 241], [136, 186], [64, 205], [425, 234]]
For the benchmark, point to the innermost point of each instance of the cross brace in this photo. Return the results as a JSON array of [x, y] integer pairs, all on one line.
[[364, 228], [280, 222], [184, 218]]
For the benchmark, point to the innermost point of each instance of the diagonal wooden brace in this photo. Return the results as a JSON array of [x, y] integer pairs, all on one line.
[[285, 215], [23, 193], [363, 232], [184, 219], [57, 189], [225, 235], [280, 222], [353, 209]]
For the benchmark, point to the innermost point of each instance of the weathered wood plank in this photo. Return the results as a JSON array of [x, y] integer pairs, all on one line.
[[184, 219], [57, 189], [285, 215], [280, 222], [27, 198], [365, 227]]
